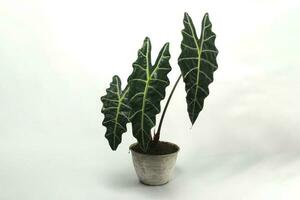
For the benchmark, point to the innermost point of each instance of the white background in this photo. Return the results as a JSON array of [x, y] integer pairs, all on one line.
[[57, 57]]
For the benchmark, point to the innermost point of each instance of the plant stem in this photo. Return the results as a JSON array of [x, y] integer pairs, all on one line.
[[157, 134]]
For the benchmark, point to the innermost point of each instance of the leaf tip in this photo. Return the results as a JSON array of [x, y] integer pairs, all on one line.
[[147, 39], [115, 77], [193, 121], [193, 118], [186, 17], [147, 42], [167, 45], [114, 148], [206, 17]]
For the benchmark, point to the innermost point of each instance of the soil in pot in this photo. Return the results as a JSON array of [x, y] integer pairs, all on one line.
[[161, 148]]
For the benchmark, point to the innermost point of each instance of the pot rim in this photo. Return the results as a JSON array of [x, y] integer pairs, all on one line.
[[144, 154]]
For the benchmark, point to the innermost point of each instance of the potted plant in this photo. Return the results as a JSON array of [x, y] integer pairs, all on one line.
[[139, 102]]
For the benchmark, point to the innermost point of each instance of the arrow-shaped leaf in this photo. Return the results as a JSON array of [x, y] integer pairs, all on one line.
[[197, 62], [147, 88], [116, 112]]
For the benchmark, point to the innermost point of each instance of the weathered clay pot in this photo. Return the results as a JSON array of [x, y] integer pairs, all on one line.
[[154, 169]]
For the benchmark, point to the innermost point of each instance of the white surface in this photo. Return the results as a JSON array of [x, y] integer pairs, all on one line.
[[57, 58]]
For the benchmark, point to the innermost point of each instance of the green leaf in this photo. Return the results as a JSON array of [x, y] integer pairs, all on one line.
[[197, 62], [116, 112], [147, 88]]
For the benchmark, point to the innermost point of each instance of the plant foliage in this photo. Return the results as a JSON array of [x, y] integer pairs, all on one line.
[[197, 62], [147, 88], [139, 102], [116, 112]]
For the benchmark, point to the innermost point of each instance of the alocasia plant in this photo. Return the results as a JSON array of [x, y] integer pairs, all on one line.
[[139, 102]]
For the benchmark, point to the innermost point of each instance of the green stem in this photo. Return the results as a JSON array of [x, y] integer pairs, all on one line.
[[157, 134]]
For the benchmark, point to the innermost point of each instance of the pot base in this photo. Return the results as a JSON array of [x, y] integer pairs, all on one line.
[[153, 185]]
